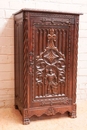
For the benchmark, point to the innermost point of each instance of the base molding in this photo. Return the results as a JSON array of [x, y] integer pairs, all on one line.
[[49, 111]]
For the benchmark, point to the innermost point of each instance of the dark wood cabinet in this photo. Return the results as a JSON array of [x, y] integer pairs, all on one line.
[[45, 62]]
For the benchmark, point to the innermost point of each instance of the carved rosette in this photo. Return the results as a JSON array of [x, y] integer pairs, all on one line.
[[51, 111]]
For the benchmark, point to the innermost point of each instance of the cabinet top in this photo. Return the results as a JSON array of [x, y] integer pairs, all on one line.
[[45, 11]]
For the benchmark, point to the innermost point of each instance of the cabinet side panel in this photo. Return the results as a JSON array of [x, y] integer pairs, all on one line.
[[76, 28], [18, 60]]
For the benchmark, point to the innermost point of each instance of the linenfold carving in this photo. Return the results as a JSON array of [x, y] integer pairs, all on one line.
[[50, 68]]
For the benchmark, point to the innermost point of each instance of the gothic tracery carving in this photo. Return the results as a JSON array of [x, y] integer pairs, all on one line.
[[50, 68]]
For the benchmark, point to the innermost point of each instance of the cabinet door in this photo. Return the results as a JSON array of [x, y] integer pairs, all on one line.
[[51, 59]]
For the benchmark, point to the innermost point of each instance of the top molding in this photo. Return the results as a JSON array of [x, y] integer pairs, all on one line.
[[46, 11]]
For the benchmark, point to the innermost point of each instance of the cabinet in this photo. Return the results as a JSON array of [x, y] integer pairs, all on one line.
[[45, 45]]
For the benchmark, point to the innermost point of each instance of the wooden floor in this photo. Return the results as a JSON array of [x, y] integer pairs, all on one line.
[[11, 119]]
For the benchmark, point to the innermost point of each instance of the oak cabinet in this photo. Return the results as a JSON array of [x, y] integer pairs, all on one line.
[[46, 46]]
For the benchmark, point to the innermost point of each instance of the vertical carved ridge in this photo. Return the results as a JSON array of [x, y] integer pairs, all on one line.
[[62, 87], [75, 58], [69, 63], [40, 43], [25, 61], [37, 49], [56, 43], [66, 55], [33, 67], [59, 40], [72, 59], [44, 42], [63, 51], [47, 32], [42, 39]]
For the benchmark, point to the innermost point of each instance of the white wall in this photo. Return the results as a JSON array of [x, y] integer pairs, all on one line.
[[7, 8]]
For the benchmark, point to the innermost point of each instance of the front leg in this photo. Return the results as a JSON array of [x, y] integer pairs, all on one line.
[[72, 114], [26, 121]]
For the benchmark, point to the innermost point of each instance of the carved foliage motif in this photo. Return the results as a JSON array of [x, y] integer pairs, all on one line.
[[54, 18], [50, 68], [58, 101], [50, 111]]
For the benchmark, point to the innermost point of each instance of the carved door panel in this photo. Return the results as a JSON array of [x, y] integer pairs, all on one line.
[[50, 59]]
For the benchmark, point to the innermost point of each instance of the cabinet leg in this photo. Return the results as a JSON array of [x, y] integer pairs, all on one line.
[[26, 121], [72, 114]]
